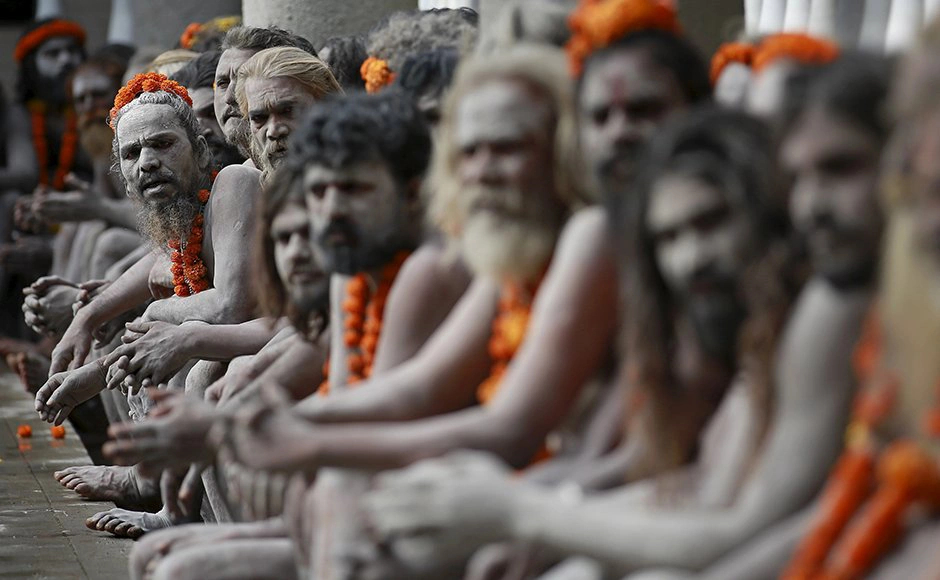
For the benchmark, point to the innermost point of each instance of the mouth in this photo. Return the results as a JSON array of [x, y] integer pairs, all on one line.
[[155, 188], [305, 276], [230, 114]]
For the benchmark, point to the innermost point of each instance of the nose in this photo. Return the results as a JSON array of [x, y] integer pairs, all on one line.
[[622, 130], [336, 203], [65, 59], [298, 248], [148, 160], [277, 130], [230, 94], [482, 168], [690, 255]]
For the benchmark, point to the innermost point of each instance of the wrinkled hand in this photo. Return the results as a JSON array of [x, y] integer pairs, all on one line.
[[78, 205], [88, 291], [263, 438], [70, 353], [24, 216], [173, 435], [152, 352], [259, 495], [234, 382], [47, 306], [439, 509], [66, 390]]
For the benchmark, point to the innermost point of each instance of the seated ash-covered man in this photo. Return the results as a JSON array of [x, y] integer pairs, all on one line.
[[198, 267], [240, 44], [715, 418], [832, 149], [362, 158], [198, 76], [279, 83], [275, 87]]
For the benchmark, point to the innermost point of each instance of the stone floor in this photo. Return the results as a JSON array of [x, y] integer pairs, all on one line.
[[42, 524]]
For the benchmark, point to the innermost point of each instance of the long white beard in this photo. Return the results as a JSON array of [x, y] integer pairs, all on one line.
[[505, 248]]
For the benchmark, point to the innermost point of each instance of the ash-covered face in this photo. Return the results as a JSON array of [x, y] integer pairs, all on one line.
[[222, 152], [274, 107], [702, 248], [925, 187], [767, 90], [161, 169], [358, 215], [306, 285], [230, 119], [732, 85], [509, 209], [56, 58], [92, 96], [833, 203], [625, 96]]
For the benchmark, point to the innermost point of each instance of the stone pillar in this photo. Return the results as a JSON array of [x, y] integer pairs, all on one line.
[[318, 20]]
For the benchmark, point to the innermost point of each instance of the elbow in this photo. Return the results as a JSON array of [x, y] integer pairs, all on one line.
[[234, 309]]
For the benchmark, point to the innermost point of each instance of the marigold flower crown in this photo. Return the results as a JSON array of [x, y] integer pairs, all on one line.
[[803, 48], [146, 83], [596, 24], [52, 29], [728, 53]]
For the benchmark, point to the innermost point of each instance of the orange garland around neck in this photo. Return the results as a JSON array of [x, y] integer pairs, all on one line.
[[188, 269], [509, 330], [596, 24], [868, 494], [362, 322], [67, 147], [376, 73]]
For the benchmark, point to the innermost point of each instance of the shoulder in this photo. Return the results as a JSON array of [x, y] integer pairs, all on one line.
[[585, 237], [235, 182]]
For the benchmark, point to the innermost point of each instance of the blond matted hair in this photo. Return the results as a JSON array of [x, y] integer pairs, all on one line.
[[544, 70], [290, 62]]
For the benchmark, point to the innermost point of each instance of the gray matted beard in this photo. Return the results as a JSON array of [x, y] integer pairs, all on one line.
[[514, 244], [168, 220], [262, 155], [96, 138]]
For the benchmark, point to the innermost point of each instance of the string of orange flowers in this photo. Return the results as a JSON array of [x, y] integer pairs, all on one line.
[[186, 265], [67, 148], [596, 24], [855, 526], [376, 73], [728, 53], [362, 321], [802, 48]]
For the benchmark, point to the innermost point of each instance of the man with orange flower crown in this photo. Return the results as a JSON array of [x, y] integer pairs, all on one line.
[[46, 149], [199, 235]]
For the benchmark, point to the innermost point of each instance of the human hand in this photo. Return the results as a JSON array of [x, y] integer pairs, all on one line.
[[47, 306], [72, 350], [66, 390], [264, 438], [173, 435], [152, 352], [88, 291], [78, 205], [439, 509]]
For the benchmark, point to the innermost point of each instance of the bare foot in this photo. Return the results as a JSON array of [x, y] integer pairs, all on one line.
[[122, 485], [128, 524], [31, 367]]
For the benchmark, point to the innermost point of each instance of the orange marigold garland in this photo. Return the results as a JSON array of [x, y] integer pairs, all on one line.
[[67, 148], [802, 48], [186, 265], [728, 53], [509, 329], [146, 83], [596, 24], [55, 28], [376, 74], [362, 323], [840, 543]]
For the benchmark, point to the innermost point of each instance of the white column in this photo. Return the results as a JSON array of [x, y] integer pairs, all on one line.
[[752, 9], [797, 16], [822, 19], [121, 24], [48, 9], [904, 25], [931, 10], [874, 25], [772, 13]]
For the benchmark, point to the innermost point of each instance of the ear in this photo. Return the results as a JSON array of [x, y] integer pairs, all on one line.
[[203, 156]]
